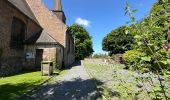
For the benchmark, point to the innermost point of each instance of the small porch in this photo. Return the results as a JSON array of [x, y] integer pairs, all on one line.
[[42, 47]]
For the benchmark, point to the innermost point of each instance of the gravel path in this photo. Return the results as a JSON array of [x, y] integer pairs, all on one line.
[[74, 85]]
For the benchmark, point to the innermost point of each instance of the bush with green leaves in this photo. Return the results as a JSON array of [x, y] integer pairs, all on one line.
[[113, 57], [151, 34], [54, 61], [150, 38], [132, 59]]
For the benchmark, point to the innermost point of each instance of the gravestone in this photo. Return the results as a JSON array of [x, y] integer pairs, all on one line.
[[47, 68]]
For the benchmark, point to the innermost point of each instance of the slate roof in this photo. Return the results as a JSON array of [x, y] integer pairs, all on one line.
[[24, 8], [45, 38], [41, 37]]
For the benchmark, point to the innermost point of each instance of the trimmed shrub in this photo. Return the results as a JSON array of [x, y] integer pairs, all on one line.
[[132, 59]]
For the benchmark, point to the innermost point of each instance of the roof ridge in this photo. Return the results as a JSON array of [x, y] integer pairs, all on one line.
[[53, 38]]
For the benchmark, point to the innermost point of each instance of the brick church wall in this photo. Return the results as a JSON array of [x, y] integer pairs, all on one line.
[[15, 60], [49, 53], [69, 52], [60, 57], [12, 60]]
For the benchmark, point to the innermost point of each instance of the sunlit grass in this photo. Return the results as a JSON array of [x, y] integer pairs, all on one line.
[[13, 86]]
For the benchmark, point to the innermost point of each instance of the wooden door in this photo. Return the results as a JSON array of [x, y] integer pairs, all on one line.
[[39, 57]]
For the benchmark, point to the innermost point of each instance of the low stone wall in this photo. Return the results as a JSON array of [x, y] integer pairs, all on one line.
[[11, 66]]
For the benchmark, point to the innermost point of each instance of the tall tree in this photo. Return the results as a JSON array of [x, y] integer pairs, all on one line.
[[83, 41], [117, 41]]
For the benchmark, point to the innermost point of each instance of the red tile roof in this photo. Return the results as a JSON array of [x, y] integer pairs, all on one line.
[[24, 8], [48, 21]]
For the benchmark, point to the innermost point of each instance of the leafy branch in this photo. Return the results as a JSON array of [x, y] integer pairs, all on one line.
[[145, 37]]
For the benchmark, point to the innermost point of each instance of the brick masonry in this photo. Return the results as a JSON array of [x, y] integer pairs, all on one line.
[[52, 23], [10, 57], [14, 61]]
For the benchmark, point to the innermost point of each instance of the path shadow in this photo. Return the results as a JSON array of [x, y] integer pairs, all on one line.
[[76, 63], [19, 73], [11, 91], [76, 89]]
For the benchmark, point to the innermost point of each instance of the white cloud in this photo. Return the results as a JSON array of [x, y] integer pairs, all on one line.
[[83, 22]]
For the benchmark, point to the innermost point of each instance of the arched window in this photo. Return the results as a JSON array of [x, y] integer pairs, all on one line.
[[17, 34]]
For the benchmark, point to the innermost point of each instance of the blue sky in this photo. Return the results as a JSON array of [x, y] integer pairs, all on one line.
[[99, 17]]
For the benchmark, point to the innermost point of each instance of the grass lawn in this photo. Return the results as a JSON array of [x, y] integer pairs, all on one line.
[[13, 86], [121, 84], [101, 72]]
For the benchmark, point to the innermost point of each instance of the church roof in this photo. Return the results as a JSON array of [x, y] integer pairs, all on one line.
[[48, 21], [45, 38], [24, 8], [41, 37]]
